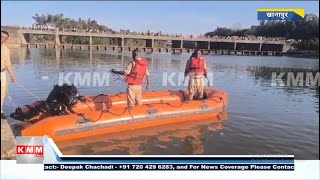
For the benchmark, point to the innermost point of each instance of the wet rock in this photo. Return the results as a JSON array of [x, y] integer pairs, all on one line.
[[8, 141]]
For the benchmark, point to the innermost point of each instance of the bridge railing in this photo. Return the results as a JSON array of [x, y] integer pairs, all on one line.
[[168, 38]]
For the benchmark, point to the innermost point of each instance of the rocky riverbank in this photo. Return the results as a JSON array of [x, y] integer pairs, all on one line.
[[8, 141]]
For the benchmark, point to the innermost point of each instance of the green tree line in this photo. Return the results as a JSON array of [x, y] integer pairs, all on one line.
[[52, 21], [305, 32], [61, 22]]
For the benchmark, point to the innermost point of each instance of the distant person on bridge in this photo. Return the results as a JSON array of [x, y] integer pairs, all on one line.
[[196, 68], [134, 74], [5, 65]]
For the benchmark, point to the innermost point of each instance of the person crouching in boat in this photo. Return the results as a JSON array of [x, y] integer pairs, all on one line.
[[196, 68], [134, 74]]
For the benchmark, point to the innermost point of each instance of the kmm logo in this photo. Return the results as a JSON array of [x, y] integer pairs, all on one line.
[[36, 150], [29, 150], [280, 14]]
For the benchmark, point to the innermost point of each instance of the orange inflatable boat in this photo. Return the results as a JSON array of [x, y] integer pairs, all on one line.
[[66, 115]]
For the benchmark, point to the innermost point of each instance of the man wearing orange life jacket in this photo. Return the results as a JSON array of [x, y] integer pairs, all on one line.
[[134, 75], [196, 68]]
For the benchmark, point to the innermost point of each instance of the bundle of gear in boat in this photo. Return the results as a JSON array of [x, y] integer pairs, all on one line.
[[59, 102]]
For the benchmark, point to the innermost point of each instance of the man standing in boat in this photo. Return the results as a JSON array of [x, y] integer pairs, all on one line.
[[5, 65], [134, 74], [196, 68]]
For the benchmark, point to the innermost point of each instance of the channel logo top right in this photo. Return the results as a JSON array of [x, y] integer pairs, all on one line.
[[280, 14]]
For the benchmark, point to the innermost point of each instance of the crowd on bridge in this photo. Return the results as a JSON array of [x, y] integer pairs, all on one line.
[[260, 38], [158, 33]]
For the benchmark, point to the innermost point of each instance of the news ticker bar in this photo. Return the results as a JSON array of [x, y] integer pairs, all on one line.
[[155, 167]]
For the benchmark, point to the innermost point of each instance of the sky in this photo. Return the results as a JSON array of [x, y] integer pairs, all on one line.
[[188, 17]]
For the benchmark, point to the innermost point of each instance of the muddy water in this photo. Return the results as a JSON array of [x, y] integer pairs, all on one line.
[[260, 119]]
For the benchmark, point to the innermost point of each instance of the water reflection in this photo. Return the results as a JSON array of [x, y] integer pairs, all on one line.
[[58, 55], [19, 55], [180, 138], [263, 77]]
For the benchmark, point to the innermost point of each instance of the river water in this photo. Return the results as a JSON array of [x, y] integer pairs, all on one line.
[[261, 118]]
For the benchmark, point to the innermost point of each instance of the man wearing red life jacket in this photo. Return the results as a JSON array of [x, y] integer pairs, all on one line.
[[196, 68], [134, 75]]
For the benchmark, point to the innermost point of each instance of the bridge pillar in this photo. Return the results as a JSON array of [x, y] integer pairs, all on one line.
[[22, 38], [208, 45], [260, 48], [57, 39], [235, 46]]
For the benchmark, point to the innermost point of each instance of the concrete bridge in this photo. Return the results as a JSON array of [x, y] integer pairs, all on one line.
[[178, 44]]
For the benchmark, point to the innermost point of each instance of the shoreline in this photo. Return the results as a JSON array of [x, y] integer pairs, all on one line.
[[303, 54], [8, 141], [296, 54]]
